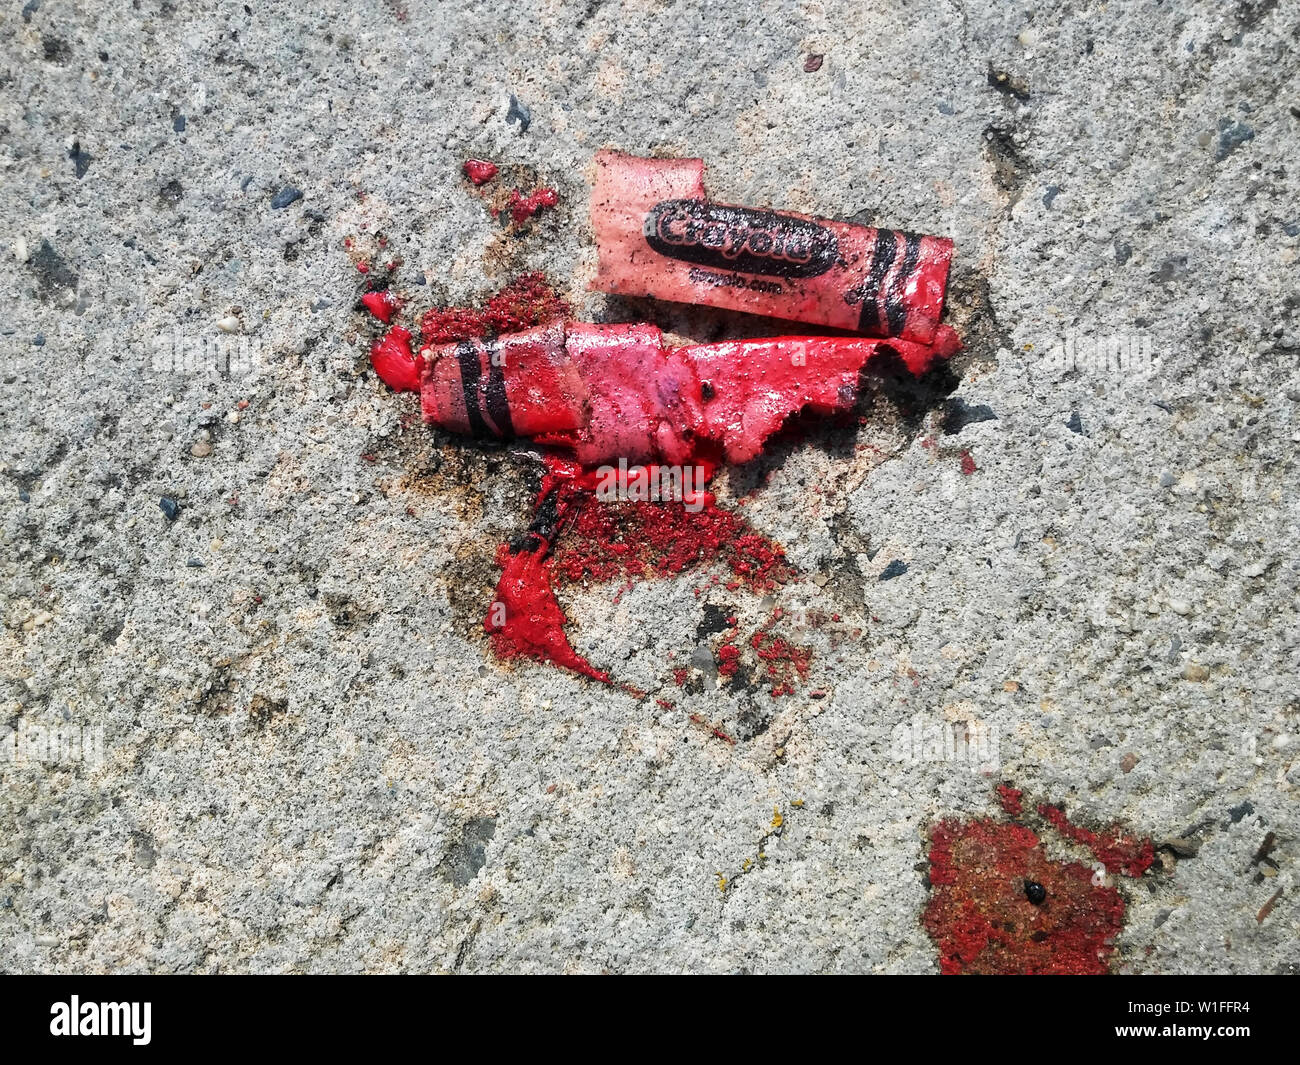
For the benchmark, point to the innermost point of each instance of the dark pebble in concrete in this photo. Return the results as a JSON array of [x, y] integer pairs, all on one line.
[[520, 113], [895, 569], [284, 197]]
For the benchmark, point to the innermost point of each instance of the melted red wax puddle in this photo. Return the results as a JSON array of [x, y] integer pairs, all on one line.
[[522, 207], [981, 915], [479, 171], [525, 302], [1117, 850], [533, 624]]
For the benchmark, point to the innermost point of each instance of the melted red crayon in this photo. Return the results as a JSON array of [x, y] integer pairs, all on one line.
[[514, 367]]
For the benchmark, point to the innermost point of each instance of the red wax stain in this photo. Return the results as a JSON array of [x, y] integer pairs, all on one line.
[[1117, 850], [479, 171], [643, 540], [784, 663], [363, 267], [982, 919], [578, 538], [967, 463], [525, 302], [1012, 799], [522, 207]]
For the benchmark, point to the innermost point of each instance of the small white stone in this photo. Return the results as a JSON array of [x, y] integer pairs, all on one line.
[[229, 324]]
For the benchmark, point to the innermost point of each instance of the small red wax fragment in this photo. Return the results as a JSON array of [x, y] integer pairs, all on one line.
[[479, 171], [383, 305], [967, 463], [658, 235], [393, 362], [523, 207], [363, 266]]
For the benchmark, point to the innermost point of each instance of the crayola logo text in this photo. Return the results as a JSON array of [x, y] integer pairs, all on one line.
[[740, 238]]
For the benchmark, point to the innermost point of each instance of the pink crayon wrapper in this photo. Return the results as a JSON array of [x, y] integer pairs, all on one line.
[[658, 235]]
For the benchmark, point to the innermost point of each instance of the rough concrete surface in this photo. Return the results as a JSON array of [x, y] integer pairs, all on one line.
[[311, 760]]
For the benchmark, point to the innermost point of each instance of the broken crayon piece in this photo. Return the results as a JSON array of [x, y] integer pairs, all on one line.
[[658, 235], [609, 392]]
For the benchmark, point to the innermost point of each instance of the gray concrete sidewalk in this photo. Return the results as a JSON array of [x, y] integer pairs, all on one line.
[[311, 760]]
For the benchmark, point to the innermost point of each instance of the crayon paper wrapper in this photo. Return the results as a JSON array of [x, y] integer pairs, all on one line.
[[657, 235]]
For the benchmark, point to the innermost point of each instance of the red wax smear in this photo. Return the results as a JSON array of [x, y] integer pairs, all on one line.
[[1011, 799], [479, 171], [1117, 850], [393, 362], [982, 921], [522, 207], [525, 302], [383, 305], [967, 463], [363, 266], [534, 622]]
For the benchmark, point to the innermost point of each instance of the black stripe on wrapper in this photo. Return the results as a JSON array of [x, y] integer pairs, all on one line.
[[470, 373], [895, 308], [882, 258], [498, 408]]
